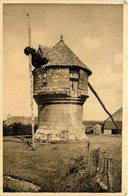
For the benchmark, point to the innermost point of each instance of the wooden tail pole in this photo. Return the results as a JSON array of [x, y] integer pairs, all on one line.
[[103, 106], [31, 85]]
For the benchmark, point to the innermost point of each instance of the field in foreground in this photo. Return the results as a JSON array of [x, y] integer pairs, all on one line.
[[49, 165]]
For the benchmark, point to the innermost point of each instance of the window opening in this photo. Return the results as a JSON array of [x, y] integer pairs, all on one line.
[[74, 81]]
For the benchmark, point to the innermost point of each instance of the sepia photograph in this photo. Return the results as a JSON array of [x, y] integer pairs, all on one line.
[[62, 97]]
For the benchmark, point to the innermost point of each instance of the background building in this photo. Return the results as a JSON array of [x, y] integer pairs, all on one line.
[[109, 127], [25, 120]]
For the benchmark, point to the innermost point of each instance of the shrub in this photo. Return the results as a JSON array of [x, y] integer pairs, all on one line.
[[18, 129]]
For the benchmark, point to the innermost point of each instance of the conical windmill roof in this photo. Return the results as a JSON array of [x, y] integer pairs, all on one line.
[[61, 55]]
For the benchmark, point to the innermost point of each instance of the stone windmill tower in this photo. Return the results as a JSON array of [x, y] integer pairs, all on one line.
[[60, 90]]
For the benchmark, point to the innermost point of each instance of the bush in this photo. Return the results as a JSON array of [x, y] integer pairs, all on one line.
[[18, 129]]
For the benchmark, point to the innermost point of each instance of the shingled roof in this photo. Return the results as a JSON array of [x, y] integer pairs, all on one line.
[[117, 116], [61, 55]]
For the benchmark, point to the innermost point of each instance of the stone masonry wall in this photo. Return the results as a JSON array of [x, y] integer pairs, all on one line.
[[60, 96], [56, 81], [51, 81], [60, 119], [83, 83]]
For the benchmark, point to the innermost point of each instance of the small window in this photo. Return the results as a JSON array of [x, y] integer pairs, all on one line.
[[74, 80], [74, 74]]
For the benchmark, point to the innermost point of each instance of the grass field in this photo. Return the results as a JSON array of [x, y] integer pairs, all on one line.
[[48, 164]]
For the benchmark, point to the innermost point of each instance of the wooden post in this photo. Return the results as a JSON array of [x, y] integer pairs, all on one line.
[[88, 152], [108, 163], [109, 174], [31, 86]]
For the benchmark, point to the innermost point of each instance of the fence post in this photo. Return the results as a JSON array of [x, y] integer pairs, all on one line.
[[108, 164], [88, 152]]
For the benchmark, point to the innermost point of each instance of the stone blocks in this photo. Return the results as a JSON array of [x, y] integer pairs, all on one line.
[[60, 101]]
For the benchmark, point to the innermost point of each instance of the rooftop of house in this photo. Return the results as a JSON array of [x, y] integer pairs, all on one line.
[[117, 116], [20, 119], [110, 125], [61, 55]]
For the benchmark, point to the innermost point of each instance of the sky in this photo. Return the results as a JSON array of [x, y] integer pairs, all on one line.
[[93, 32]]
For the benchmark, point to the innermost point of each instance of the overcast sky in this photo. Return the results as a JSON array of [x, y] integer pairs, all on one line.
[[93, 32]]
